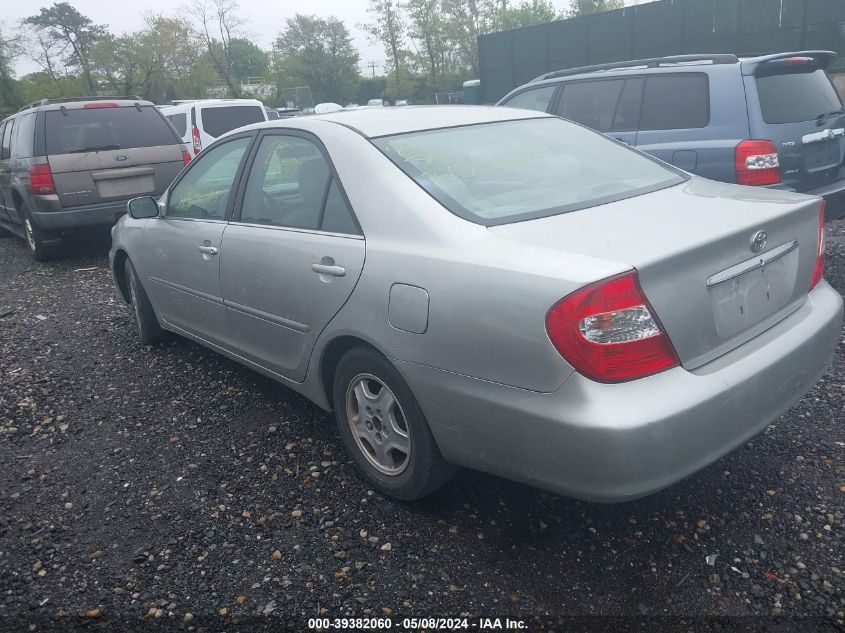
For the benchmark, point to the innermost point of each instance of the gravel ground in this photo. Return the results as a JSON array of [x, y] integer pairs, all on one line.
[[155, 482]]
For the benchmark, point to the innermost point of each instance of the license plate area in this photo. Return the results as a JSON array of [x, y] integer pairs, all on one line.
[[822, 155], [748, 293]]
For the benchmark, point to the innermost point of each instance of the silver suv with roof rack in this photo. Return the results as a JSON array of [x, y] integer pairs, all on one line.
[[773, 120], [72, 164]]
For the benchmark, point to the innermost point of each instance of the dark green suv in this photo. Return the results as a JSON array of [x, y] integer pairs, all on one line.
[[73, 164]]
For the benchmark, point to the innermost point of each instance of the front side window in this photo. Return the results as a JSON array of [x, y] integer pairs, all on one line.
[[5, 149], [536, 99], [291, 185], [204, 191], [675, 102], [508, 171]]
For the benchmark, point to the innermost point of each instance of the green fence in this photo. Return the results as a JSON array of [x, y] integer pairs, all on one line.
[[668, 27]]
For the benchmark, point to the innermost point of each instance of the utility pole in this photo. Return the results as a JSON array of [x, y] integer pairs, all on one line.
[[372, 66]]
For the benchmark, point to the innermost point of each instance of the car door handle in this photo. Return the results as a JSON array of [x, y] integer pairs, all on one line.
[[207, 250], [328, 269]]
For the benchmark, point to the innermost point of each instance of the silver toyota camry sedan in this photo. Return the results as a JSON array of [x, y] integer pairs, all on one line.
[[490, 288]]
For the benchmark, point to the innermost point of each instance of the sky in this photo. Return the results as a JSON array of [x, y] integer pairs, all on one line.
[[264, 19]]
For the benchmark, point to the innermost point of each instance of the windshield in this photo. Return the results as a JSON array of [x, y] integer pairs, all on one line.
[[794, 97], [507, 171], [72, 131]]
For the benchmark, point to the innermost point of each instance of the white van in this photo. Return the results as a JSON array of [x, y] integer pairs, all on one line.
[[199, 123]]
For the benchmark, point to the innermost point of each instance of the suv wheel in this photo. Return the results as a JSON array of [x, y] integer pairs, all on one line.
[[149, 330], [35, 237], [384, 429]]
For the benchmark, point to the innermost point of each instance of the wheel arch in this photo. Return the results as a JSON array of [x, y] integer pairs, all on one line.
[[119, 272], [330, 356]]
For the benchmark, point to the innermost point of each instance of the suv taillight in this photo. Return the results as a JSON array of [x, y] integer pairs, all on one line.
[[41, 179], [818, 269], [608, 331], [186, 157], [195, 135], [757, 163]]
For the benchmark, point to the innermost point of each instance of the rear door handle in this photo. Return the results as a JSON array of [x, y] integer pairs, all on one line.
[[207, 250], [328, 269]]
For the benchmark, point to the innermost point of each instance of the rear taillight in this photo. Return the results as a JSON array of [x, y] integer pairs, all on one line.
[[186, 157], [96, 105], [41, 179], [757, 163], [608, 331], [195, 135], [818, 269]]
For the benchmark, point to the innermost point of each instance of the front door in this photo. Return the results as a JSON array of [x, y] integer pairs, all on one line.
[[291, 257], [183, 247]]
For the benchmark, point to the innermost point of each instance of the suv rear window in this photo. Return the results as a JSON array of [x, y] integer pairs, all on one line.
[[80, 130], [675, 102], [793, 97], [217, 121], [497, 173]]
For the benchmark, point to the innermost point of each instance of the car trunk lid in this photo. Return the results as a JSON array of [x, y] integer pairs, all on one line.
[[693, 247]]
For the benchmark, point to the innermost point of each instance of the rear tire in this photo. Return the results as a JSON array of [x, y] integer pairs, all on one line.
[[388, 437], [35, 237], [149, 329]]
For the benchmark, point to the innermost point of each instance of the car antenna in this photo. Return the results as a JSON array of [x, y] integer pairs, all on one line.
[[63, 110]]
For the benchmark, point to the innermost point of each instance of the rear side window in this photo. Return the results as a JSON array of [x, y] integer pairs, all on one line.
[[88, 130], [591, 103], [218, 121], [25, 140], [180, 122], [536, 99], [5, 149], [793, 97], [675, 102]]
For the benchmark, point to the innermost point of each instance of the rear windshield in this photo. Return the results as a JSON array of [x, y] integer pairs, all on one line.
[[81, 130], [793, 97], [218, 121], [180, 122], [508, 171]]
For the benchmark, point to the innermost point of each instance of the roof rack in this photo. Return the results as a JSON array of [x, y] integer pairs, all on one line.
[[42, 102], [653, 62]]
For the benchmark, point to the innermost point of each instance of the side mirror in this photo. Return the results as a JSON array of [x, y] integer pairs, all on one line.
[[142, 208]]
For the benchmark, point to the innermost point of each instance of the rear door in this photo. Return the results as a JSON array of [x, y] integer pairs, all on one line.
[[104, 153], [215, 120], [292, 257], [610, 106], [794, 104], [5, 174]]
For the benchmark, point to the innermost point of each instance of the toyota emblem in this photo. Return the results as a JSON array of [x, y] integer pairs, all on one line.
[[758, 241]]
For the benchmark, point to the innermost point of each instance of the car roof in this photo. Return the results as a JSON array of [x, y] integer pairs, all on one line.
[[374, 122]]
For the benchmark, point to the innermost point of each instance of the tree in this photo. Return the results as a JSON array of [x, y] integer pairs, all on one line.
[[389, 28], [248, 60], [317, 52], [428, 31], [10, 98], [527, 13], [64, 28], [468, 19], [217, 24], [588, 7]]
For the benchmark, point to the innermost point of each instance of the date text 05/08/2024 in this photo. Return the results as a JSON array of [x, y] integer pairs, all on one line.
[[416, 624]]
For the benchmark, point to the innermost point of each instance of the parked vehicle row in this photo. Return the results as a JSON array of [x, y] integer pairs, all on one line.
[[492, 288], [774, 121], [199, 123]]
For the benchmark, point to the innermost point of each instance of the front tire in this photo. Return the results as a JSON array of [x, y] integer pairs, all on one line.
[[384, 429], [149, 329]]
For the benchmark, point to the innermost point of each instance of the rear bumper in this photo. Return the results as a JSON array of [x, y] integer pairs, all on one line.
[[105, 214], [613, 443], [834, 196]]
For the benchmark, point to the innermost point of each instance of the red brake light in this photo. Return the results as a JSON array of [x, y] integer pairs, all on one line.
[[94, 105], [818, 269], [41, 179], [195, 135], [757, 163], [186, 157], [608, 331]]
